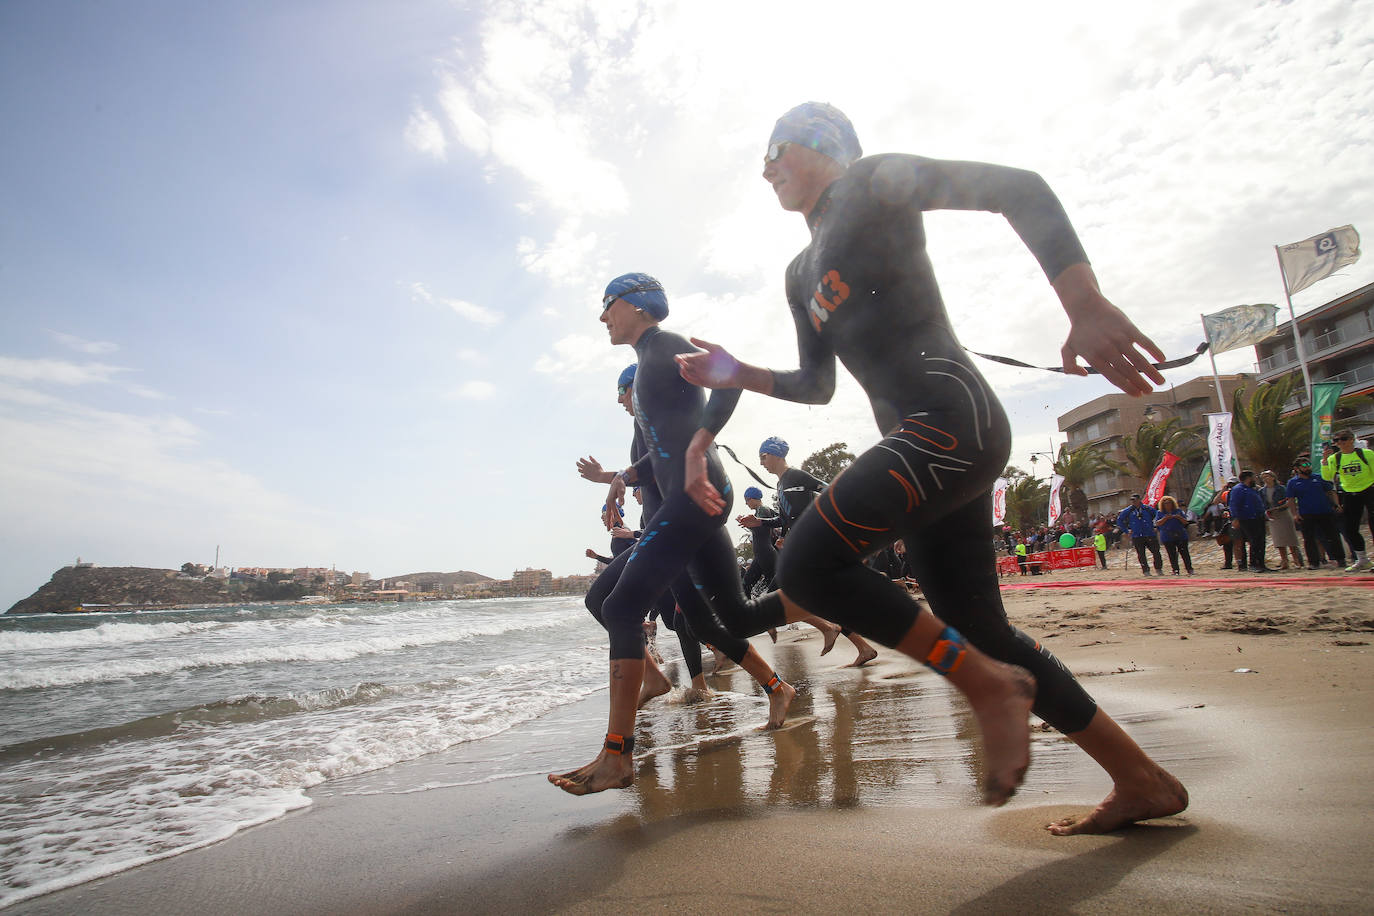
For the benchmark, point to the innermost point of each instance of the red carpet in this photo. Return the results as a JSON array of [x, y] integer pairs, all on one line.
[[1238, 580]]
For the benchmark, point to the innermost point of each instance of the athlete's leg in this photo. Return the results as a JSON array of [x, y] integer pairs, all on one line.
[[713, 569], [643, 575], [821, 569]]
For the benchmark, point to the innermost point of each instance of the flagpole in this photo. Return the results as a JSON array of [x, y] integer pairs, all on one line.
[[1211, 354], [1297, 336]]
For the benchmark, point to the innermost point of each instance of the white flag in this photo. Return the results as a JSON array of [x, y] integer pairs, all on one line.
[[999, 501], [1055, 511], [1220, 448], [1317, 258], [1238, 326]]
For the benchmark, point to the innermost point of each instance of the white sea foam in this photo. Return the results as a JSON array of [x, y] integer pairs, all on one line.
[[73, 817], [347, 646], [106, 634]]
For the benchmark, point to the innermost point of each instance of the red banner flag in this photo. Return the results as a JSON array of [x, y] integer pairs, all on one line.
[[1160, 477]]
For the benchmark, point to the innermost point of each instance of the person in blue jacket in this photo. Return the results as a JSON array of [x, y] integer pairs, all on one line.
[[1172, 523], [1315, 507], [1249, 515], [1139, 520]]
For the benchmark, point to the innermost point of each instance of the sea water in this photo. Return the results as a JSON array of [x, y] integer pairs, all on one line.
[[131, 737]]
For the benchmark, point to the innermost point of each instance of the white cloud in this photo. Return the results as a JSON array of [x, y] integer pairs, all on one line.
[[424, 135], [475, 391], [80, 344], [57, 371], [474, 313]]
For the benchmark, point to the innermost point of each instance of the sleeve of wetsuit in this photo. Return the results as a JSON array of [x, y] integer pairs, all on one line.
[[813, 381], [1023, 197], [719, 406]]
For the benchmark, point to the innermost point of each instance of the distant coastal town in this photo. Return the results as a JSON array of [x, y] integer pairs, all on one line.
[[86, 587]]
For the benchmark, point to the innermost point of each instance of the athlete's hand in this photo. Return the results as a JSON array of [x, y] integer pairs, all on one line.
[[697, 485], [610, 514], [747, 521], [1102, 335], [590, 469], [620, 531], [714, 368]]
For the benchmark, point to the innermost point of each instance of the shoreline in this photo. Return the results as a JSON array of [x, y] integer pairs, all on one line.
[[832, 814]]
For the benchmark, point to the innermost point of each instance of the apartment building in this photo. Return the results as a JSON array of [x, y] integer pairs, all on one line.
[[1338, 344], [1108, 420]]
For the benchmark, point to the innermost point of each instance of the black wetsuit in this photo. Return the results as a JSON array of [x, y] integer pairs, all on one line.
[[764, 564], [678, 536], [666, 607], [864, 291]]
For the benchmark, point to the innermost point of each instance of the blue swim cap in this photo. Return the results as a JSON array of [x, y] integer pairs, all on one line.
[[821, 127], [753, 493], [627, 376], [640, 290], [774, 446]]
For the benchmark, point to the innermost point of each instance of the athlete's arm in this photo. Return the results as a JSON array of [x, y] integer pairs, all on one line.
[[1100, 333], [813, 382], [696, 483]]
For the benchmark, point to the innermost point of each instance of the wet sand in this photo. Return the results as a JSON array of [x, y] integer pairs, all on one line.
[[869, 801]]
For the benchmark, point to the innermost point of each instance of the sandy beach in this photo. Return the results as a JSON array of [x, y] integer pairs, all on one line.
[[1253, 690]]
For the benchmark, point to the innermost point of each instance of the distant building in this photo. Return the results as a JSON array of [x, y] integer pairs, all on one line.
[[1107, 421], [1338, 344], [528, 581]]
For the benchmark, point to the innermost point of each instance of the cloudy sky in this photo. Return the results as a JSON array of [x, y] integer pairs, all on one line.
[[318, 282]]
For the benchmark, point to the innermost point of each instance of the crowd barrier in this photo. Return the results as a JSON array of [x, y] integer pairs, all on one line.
[[1072, 558]]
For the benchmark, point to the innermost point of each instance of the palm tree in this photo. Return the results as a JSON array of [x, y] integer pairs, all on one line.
[[1028, 502], [1264, 437], [1146, 448], [1079, 466]]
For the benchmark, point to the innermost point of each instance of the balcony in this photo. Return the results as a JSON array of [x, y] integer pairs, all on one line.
[[1332, 338], [1355, 378], [1285, 357]]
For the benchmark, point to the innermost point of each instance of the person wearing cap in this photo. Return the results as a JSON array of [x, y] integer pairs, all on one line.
[[677, 426], [1138, 520], [1352, 470], [1314, 511], [655, 682], [761, 568], [864, 292], [796, 491]]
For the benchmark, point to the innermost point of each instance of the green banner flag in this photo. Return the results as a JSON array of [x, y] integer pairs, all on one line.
[[1203, 492], [1324, 398]]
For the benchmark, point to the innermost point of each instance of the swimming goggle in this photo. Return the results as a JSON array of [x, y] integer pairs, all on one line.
[[609, 298], [621, 390], [775, 150]]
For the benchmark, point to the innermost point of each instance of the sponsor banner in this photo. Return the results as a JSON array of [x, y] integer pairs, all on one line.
[[1219, 447], [1324, 398], [1056, 482], [1203, 492], [999, 501], [1159, 478], [1072, 558]]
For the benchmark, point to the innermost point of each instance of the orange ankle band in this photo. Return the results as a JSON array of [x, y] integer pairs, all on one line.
[[619, 744]]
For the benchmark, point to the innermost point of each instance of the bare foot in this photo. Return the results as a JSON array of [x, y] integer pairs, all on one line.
[[779, 701], [1002, 705], [773, 634], [830, 631], [653, 685], [866, 654], [696, 694], [607, 771], [1159, 794]]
